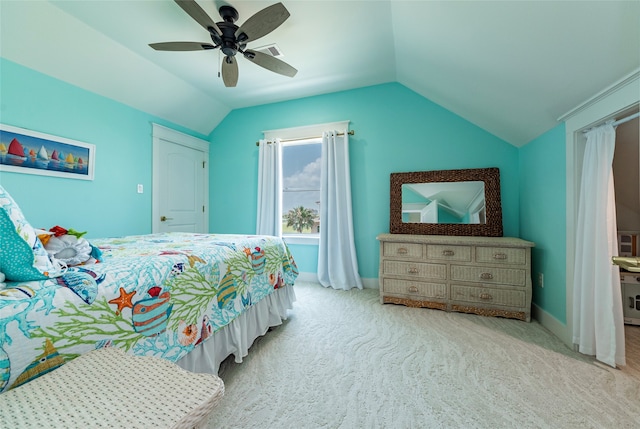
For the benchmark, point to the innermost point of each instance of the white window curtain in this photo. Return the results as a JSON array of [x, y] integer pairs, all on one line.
[[337, 262], [598, 325], [269, 218]]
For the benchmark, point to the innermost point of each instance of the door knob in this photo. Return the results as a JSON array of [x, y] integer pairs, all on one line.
[[164, 218]]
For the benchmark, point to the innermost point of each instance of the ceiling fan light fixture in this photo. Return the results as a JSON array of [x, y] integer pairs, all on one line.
[[229, 49]]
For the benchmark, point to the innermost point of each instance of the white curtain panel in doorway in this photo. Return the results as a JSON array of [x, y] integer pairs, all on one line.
[[337, 262], [269, 219], [598, 325]]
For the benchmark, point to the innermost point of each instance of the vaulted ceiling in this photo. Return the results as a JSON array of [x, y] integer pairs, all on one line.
[[510, 67]]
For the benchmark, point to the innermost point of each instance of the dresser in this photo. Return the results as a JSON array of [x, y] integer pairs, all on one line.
[[490, 276]]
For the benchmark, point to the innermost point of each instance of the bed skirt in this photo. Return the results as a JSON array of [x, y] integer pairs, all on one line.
[[236, 337]]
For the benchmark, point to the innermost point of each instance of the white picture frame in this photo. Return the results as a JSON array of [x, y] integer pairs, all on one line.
[[32, 152]]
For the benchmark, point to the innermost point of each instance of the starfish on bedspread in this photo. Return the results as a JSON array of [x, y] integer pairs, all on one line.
[[123, 301]]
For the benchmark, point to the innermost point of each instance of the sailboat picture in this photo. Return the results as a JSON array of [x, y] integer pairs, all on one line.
[[32, 152]]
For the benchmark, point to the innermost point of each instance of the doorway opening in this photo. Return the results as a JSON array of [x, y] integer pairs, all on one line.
[[626, 178]]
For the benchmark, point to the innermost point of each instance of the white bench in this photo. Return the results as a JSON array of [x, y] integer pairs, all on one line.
[[108, 388]]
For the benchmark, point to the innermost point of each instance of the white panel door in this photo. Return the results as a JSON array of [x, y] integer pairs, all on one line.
[[180, 182], [182, 206]]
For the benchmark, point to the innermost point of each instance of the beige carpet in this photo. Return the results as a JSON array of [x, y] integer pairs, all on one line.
[[343, 360]]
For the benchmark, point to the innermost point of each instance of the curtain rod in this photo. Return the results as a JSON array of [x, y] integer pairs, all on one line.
[[619, 121], [627, 119], [351, 133]]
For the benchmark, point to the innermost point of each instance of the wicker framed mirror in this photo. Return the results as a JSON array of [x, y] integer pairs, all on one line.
[[446, 202]]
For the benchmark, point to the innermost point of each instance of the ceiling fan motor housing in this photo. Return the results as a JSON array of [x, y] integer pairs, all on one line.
[[227, 42]]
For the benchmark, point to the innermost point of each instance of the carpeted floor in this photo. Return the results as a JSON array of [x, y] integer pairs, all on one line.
[[343, 360]]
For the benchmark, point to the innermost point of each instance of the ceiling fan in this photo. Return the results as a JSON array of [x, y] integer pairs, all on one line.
[[232, 39]]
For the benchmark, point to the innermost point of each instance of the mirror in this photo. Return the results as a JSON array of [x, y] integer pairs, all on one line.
[[446, 202]]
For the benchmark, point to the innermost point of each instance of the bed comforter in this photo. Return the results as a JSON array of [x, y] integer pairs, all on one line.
[[153, 295]]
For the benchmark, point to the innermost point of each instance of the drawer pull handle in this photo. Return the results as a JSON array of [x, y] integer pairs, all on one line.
[[412, 289], [485, 296], [413, 270], [486, 276], [448, 253], [500, 256], [402, 251]]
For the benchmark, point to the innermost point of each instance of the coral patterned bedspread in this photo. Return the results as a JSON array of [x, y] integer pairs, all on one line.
[[155, 295]]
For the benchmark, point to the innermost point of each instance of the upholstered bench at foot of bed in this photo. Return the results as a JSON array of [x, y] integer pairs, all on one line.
[[108, 388]]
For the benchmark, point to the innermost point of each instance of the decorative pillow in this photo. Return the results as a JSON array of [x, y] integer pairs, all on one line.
[[69, 249], [22, 256], [67, 246]]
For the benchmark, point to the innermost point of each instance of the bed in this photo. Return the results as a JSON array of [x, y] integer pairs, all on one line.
[[192, 299]]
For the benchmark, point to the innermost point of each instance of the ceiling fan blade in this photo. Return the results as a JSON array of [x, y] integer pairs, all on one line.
[[263, 22], [181, 46], [230, 72], [199, 15], [270, 63]]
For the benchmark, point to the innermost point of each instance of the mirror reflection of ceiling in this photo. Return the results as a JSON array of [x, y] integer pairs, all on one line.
[[443, 202]]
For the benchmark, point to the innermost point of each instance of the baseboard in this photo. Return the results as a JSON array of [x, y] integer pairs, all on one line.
[[556, 327], [368, 283], [371, 283], [307, 277]]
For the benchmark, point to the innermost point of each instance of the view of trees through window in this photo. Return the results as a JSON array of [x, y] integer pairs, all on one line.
[[301, 187]]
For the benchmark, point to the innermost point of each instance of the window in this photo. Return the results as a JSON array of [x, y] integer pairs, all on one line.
[[301, 187]]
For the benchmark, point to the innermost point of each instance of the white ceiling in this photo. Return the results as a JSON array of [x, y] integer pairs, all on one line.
[[510, 67]]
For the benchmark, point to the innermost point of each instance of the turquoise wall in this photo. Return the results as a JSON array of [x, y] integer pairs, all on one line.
[[543, 217], [107, 206], [396, 129]]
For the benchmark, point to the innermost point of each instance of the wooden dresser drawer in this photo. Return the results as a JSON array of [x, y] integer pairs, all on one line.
[[403, 250], [474, 274], [494, 296], [418, 289], [501, 255], [415, 269], [490, 276], [449, 253]]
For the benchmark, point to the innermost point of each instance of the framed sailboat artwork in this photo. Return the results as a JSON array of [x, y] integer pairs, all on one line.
[[32, 152]]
